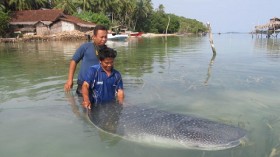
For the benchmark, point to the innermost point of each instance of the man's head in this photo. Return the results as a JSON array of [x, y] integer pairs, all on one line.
[[100, 35], [107, 57]]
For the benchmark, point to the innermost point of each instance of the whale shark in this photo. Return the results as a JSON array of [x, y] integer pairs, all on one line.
[[163, 128]]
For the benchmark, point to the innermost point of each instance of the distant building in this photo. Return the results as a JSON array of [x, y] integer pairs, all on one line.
[[270, 29], [273, 24], [45, 22]]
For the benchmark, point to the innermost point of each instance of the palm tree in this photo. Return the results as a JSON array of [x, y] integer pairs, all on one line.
[[39, 4], [4, 20], [67, 5], [111, 8], [20, 4], [143, 8], [27, 4], [161, 9], [114, 8], [85, 5], [127, 10], [101, 5], [2, 7]]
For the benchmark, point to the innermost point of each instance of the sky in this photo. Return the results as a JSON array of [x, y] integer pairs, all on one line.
[[224, 15]]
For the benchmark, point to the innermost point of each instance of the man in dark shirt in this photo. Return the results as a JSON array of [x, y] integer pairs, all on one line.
[[103, 83], [88, 53]]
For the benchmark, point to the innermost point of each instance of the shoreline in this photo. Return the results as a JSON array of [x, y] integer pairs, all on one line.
[[68, 36]]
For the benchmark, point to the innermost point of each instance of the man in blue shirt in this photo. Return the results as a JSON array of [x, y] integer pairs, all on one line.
[[103, 84], [88, 53]]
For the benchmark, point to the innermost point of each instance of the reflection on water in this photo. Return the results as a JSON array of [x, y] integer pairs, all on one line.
[[75, 104], [210, 68], [271, 46], [27, 69], [179, 74]]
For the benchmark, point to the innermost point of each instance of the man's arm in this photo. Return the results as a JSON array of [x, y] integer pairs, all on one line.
[[120, 95], [69, 83], [85, 91]]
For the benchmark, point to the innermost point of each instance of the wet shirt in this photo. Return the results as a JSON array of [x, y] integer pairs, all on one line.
[[103, 88], [87, 53]]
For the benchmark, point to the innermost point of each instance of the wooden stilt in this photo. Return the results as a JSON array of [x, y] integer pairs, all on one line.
[[211, 38]]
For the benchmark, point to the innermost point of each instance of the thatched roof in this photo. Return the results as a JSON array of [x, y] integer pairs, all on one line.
[[273, 24]]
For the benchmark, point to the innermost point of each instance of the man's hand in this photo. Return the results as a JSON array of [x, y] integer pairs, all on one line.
[[87, 104], [68, 85], [120, 96]]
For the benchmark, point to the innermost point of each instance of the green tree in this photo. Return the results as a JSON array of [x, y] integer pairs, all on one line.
[[174, 23], [123, 15], [4, 3], [101, 5], [114, 8], [191, 26], [27, 4], [160, 9], [159, 21], [67, 5], [94, 17], [84, 4], [143, 9], [111, 8], [136, 15], [38, 4], [4, 20], [2, 7], [20, 4]]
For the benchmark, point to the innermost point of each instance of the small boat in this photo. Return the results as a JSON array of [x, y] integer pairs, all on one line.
[[136, 34], [117, 36]]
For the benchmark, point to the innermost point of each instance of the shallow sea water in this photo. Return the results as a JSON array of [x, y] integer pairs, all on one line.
[[239, 86]]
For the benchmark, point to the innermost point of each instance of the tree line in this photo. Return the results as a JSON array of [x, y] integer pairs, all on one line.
[[135, 15]]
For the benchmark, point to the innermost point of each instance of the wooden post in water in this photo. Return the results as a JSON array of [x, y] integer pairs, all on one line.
[[211, 38], [167, 28], [167, 25], [213, 56]]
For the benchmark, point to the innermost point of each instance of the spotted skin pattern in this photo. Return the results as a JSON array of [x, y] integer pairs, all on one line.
[[158, 127]]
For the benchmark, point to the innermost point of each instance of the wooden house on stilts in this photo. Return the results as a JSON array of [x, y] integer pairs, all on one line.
[[269, 29]]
